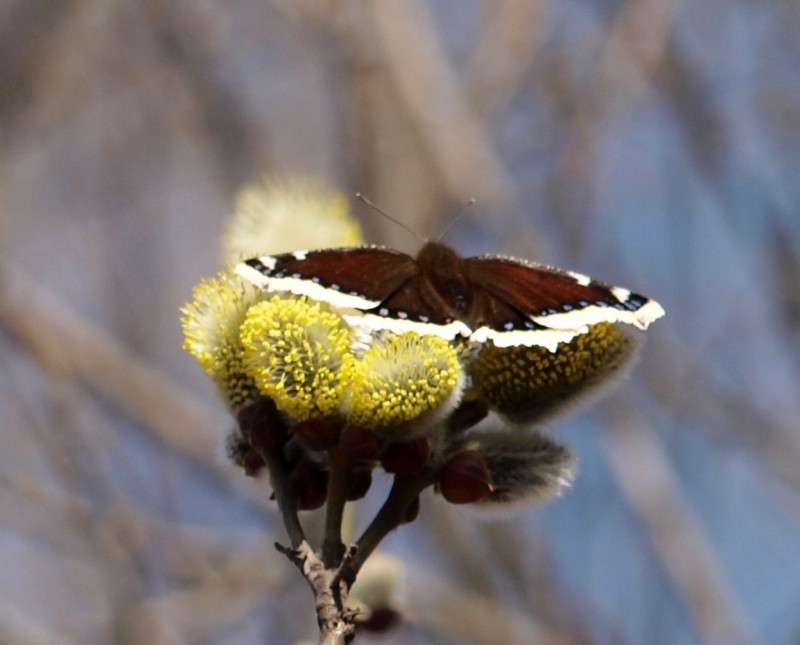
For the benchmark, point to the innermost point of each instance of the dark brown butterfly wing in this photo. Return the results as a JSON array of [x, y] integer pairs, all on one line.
[[552, 298], [360, 277], [378, 281], [507, 301]]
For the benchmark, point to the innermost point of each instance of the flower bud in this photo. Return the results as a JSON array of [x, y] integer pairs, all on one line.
[[359, 444], [316, 434], [465, 478], [407, 458]]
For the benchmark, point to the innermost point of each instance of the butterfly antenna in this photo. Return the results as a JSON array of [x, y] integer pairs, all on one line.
[[366, 201], [457, 218]]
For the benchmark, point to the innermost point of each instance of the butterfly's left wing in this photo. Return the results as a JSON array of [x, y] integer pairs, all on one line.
[[374, 288], [357, 278]]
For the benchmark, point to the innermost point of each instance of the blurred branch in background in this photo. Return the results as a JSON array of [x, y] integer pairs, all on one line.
[[681, 542], [70, 348]]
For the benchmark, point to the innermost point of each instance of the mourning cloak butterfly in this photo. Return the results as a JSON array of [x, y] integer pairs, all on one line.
[[488, 298]]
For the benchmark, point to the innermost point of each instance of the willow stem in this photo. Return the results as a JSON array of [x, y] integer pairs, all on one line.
[[339, 483], [283, 487], [404, 491]]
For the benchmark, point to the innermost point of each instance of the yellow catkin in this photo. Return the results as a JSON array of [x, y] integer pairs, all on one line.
[[518, 379], [402, 378], [211, 324], [297, 352]]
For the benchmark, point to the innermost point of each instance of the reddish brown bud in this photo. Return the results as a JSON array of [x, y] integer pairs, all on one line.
[[252, 463], [465, 478], [316, 434], [380, 620], [467, 415], [360, 481], [241, 453], [407, 458], [359, 444], [311, 485], [262, 426], [412, 511]]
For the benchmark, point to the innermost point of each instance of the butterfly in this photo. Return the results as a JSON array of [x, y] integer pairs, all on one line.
[[504, 300]]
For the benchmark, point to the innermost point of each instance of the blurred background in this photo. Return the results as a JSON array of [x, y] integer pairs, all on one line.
[[652, 144]]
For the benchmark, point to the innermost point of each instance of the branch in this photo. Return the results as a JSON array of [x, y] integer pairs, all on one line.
[[336, 624], [283, 486], [391, 515], [338, 487]]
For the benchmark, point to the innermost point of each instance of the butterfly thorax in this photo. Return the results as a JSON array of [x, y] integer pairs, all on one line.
[[443, 269]]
